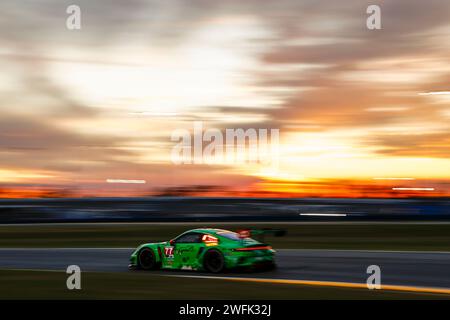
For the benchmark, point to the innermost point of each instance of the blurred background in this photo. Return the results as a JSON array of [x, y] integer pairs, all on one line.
[[362, 113]]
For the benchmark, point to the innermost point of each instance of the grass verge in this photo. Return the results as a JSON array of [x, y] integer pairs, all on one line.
[[424, 236]]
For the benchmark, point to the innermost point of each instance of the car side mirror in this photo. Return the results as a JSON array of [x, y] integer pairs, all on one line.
[[172, 242]]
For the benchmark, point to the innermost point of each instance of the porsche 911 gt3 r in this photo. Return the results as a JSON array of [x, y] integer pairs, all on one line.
[[212, 250]]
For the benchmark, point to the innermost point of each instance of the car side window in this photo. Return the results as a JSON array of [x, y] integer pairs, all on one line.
[[192, 237]]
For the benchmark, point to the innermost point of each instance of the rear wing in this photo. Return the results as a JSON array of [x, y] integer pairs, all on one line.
[[260, 233]]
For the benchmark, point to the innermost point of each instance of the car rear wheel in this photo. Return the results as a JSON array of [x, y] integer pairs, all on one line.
[[214, 261], [147, 260]]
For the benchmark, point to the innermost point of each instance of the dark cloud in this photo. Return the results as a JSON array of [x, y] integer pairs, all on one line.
[[37, 144], [326, 99]]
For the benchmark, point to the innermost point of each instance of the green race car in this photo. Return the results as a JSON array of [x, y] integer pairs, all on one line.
[[212, 250]]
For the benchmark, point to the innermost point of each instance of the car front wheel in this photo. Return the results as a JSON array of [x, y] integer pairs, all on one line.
[[147, 259]]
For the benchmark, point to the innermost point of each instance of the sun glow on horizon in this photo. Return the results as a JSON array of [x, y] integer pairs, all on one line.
[[22, 176]]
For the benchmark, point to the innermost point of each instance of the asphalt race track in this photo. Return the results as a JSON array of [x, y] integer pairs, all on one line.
[[423, 269]]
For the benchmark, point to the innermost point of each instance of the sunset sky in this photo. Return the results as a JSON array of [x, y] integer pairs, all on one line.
[[356, 108]]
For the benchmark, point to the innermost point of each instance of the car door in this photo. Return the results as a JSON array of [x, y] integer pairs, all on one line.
[[186, 249]]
